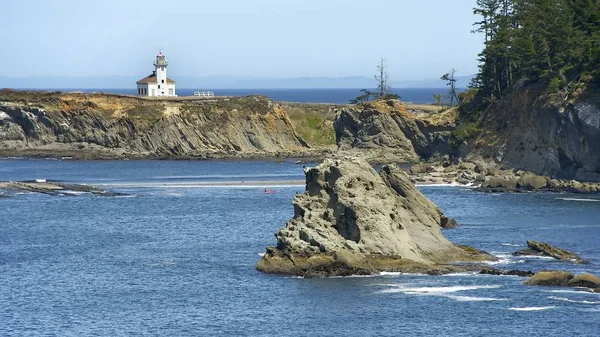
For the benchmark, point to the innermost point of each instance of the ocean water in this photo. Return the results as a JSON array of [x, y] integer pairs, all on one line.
[[175, 258], [332, 96]]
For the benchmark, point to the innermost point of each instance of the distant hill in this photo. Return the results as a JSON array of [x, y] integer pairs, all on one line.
[[216, 82]]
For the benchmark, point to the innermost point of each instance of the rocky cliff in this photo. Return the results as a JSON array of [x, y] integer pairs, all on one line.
[[549, 134], [104, 125], [352, 220], [387, 132]]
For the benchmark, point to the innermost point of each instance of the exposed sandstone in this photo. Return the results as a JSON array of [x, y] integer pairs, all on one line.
[[352, 220]]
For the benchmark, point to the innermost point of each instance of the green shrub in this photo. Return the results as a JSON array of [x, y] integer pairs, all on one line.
[[554, 85], [464, 132]]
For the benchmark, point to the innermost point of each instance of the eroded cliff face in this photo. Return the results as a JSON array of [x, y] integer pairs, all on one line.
[[386, 132], [110, 125], [545, 134]]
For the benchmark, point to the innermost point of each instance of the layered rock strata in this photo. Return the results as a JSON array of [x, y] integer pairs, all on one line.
[[111, 126], [352, 220], [385, 131]]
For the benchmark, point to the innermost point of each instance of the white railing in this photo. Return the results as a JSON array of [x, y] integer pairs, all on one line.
[[204, 93]]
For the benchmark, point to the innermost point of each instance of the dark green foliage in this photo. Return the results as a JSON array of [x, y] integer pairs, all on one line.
[[547, 42], [464, 132]]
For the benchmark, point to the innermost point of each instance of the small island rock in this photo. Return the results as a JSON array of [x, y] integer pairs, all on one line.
[[544, 249], [553, 278], [585, 281], [352, 220]]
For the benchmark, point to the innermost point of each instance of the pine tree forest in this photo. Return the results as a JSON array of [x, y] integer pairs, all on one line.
[[548, 42]]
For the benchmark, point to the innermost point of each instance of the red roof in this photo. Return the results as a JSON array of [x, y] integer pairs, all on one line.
[[152, 79]]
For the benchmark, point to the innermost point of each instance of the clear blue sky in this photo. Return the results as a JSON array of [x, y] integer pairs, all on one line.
[[421, 39]]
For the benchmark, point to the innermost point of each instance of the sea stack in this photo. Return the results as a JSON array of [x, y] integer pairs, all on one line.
[[352, 220]]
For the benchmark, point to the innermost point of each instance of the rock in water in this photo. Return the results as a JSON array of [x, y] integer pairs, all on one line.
[[448, 223], [352, 220], [586, 281], [553, 278], [545, 249]]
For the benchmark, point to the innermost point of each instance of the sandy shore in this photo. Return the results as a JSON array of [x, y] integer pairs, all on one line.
[[242, 183]]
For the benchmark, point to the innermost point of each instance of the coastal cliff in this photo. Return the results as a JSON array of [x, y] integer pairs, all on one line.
[[385, 131], [112, 126], [352, 220], [548, 134]]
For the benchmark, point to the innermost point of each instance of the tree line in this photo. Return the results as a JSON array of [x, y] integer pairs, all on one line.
[[552, 42]]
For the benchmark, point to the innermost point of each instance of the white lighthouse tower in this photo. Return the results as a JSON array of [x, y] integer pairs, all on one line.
[[157, 83]]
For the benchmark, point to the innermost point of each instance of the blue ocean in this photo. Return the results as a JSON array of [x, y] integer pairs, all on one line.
[[332, 96], [175, 255]]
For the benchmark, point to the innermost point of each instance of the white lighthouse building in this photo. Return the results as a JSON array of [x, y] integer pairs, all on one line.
[[157, 83]]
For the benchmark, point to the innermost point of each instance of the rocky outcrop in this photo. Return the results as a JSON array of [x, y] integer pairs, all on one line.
[[352, 220], [52, 188], [100, 125], [585, 281], [446, 222], [557, 278], [500, 272], [386, 132], [488, 178], [547, 134], [535, 248], [552, 278]]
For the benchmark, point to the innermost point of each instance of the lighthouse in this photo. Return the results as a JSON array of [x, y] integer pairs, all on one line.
[[157, 83]]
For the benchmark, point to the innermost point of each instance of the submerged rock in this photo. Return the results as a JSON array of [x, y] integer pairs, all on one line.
[[352, 220], [544, 249]]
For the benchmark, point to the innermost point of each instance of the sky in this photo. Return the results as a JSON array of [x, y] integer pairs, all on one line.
[[420, 39]]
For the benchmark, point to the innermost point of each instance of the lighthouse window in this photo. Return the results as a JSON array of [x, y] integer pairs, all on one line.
[[163, 81], [159, 86]]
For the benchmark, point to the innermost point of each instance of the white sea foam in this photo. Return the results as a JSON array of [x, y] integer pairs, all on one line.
[[532, 308], [504, 258], [511, 244], [433, 290], [583, 291], [68, 192], [564, 299], [388, 273], [465, 274], [579, 199], [474, 299], [447, 292], [40, 180], [261, 254], [536, 257]]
